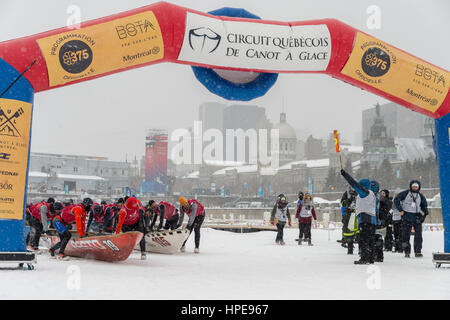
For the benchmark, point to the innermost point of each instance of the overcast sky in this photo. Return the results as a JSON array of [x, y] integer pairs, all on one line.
[[110, 116]]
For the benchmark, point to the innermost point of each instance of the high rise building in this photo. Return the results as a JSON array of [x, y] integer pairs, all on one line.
[[156, 144]]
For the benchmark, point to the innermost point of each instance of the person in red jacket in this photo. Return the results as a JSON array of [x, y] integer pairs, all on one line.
[[40, 216], [196, 214], [131, 218], [104, 215], [305, 213], [165, 211], [74, 213]]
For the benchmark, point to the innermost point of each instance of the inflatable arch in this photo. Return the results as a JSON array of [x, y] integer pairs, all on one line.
[[222, 40]]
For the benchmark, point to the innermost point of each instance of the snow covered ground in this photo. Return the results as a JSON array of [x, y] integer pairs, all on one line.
[[238, 266]]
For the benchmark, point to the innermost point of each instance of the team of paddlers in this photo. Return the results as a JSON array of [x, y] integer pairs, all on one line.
[[123, 215]]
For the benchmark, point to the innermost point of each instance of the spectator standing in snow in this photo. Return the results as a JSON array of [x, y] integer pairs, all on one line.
[[409, 203], [300, 198], [279, 216], [378, 242], [397, 226], [305, 213], [366, 203], [350, 223], [385, 216]]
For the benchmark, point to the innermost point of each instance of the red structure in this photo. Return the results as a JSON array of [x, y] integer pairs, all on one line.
[[156, 146]]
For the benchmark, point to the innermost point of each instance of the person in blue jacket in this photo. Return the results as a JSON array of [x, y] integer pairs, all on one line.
[[366, 203], [409, 203]]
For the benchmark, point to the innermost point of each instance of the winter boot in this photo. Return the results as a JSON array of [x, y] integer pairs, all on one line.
[[143, 256], [309, 242], [361, 261], [282, 242], [407, 255], [196, 250], [183, 249], [418, 255], [35, 250], [62, 256], [52, 253]]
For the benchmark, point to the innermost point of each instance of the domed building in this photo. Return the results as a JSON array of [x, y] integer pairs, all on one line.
[[288, 140]]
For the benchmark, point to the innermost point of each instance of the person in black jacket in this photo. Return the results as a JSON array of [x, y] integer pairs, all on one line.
[[366, 205], [348, 206], [385, 215], [409, 203]]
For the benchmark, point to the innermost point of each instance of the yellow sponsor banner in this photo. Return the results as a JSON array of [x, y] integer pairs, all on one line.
[[102, 48], [15, 122], [393, 71]]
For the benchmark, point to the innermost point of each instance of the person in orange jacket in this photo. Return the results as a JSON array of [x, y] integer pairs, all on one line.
[[74, 213], [132, 218]]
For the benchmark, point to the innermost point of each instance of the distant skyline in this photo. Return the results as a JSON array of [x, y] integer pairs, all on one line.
[[109, 117]]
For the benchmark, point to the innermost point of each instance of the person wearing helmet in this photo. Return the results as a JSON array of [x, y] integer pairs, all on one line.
[[131, 217], [165, 211], [196, 213], [280, 214], [103, 214], [74, 213], [409, 203], [366, 210], [41, 214]]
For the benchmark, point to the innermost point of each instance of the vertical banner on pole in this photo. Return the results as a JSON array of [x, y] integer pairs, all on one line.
[[337, 145], [443, 154], [16, 107]]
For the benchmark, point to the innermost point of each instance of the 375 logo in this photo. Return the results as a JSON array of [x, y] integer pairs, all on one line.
[[75, 56], [375, 62]]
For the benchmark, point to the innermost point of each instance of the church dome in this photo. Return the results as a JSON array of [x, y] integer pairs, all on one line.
[[286, 130]]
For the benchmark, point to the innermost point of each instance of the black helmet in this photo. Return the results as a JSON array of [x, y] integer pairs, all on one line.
[[103, 202], [58, 206], [98, 208], [87, 203], [300, 195], [120, 200], [50, 200]]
